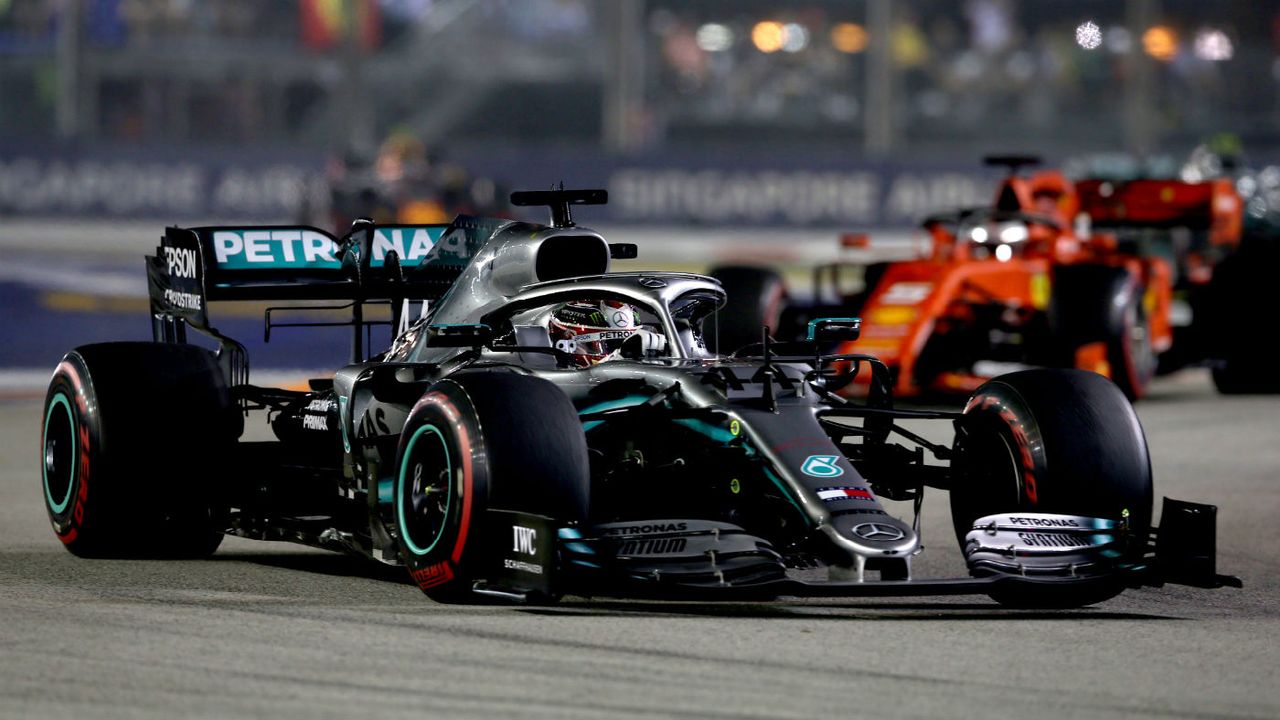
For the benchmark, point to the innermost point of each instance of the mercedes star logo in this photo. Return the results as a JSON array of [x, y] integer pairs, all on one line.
[[878, 531], [653, 282]]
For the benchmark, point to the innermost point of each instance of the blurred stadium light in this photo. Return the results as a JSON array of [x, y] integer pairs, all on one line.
[[1161, 42]]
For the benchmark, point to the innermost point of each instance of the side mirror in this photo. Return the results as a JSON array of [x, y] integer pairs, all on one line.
[[458, 335], [623, 251], [834, 330]]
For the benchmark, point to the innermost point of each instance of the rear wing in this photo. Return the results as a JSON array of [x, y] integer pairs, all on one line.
[[384, 263], [1212, 206], [193, 266]]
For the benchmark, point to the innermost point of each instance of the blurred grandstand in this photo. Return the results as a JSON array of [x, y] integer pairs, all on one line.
[[743, 131], [819, 112]]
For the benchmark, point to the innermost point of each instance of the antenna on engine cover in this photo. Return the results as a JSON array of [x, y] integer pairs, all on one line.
[[559, 202]]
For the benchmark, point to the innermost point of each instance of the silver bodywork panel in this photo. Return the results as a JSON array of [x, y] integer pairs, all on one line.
[[501, 283]]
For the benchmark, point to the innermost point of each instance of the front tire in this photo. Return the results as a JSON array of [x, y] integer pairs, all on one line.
[[1052, 441], [479, 441]]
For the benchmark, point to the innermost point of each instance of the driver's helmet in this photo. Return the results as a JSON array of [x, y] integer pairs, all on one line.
[[592, 331]]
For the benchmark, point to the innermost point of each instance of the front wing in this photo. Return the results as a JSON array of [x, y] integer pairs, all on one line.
[[742, 567]]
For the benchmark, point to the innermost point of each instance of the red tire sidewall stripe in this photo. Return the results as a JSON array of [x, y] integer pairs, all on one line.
[[74, 519], [464, 524], [1024, 456]]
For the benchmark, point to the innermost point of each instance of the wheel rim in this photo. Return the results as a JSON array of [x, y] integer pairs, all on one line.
[[1138, 337], [59, 463], [424, 490]]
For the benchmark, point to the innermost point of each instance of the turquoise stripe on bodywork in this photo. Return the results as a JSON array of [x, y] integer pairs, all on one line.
[[786, 493], [574, 534], [628, 401], [719, 434], [714, 432]]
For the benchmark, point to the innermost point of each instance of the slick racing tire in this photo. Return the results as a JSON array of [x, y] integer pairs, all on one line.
[[1100, 303], [133, 439], [1244, 375], [476, 441], [757, 299], [1052, 441], [1238, 295]]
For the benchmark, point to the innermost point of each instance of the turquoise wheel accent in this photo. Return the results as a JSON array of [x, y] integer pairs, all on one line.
[[405, 495], [54, 459]]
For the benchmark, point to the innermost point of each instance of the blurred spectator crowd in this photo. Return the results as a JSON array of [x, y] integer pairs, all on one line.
[[32, 24], [233, 70], [130, 23], [968, 70], [961, 72]]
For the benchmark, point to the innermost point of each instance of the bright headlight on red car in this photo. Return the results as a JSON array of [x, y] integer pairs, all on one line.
[[1013, 233]]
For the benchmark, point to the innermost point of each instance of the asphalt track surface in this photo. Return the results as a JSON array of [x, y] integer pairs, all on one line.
[[281, 631]]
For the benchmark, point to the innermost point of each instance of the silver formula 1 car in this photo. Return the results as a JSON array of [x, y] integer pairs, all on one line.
[[540, 426]]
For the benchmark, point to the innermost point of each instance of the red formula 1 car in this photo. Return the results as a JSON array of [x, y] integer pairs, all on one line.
[[998, 288], [1221, 267]]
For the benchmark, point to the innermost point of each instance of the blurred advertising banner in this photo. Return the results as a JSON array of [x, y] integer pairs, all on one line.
[[879, 196], [752, 189], [145, 184], [683, 189]]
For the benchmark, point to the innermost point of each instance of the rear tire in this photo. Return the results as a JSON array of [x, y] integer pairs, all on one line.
[[1100, 303], [134, 438], [475, 441], [1053, 441], [1238, 295], [757, 299]]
